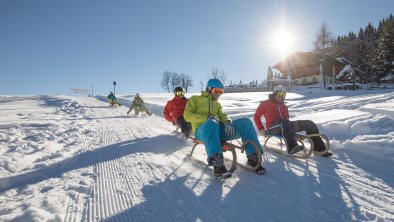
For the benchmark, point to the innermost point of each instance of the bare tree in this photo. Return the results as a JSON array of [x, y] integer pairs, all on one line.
[[323, 42], [165, 81], [186, 81], [171, 80], [175, 80], [216, 73]]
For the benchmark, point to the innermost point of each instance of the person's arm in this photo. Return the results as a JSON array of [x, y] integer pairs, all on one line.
[[131, 107], [257, 116], [223, 117], [167, 112]]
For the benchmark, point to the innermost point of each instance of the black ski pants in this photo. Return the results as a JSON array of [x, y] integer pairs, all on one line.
[[288, 129], [186, 127]]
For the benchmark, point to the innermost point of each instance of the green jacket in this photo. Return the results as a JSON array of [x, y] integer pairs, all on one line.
[[198, 108], [137, 103]]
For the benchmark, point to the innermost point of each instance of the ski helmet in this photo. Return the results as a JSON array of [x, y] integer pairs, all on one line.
[[214, 83], [137, 95], [179, 89], [279, 91], [278, 88]]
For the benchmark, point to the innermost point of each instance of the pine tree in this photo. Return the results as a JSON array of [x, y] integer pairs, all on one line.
[[370, 41], [386, 47]]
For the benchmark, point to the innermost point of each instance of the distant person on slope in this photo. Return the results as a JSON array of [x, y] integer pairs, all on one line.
[[173, 111], [112, 100], [211, 125], [276, 115], [138, 105]]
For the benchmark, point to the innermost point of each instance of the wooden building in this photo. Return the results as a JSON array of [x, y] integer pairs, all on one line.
[[306, 68]]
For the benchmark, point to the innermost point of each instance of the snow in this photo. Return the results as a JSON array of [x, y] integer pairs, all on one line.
[[347, 69], [76, 159]]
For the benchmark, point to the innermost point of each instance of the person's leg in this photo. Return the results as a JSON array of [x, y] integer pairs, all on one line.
[[136, 110], [310, 128], [209, 134], [146, 110], [243, 129], [285, 128], [186, 127]]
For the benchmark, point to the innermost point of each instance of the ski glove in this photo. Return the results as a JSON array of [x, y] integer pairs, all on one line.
[[229, 129]]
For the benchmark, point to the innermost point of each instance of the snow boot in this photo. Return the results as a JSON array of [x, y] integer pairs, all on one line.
[[296, 149], [219, 169], [253, 161], [326, 154]]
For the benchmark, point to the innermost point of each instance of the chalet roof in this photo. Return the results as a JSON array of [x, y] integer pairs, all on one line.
[[303, 59]]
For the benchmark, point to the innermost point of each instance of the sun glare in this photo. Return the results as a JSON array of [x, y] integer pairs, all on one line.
[[282, 42]]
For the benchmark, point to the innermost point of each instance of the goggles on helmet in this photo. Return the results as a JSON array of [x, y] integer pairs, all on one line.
[[179, 93], [281, 94], [217, 90]]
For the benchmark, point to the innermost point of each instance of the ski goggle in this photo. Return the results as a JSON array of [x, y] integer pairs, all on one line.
[[281, 94], [217, 91], [179, 93]]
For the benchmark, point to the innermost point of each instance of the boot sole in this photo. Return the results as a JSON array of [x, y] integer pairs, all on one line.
[[225, 175]]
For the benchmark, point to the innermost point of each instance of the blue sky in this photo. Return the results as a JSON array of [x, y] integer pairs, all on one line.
[[49, 46]]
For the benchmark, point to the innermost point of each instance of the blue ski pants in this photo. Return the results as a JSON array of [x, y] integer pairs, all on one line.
[[211, 133]]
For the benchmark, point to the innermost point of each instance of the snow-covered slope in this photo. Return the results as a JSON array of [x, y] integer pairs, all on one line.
[[76, 159]]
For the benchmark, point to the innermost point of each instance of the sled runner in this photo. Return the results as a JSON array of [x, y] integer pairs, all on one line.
[[228, 146], [114, 103], [305, 140]]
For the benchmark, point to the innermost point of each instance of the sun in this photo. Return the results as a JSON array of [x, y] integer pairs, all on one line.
[[282, 42]]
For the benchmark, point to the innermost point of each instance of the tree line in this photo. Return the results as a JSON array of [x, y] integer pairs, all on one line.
[[371, 50], [171, 80]]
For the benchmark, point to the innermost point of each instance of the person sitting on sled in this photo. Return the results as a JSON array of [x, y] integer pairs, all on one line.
[[173, 111], [138, 105], [112, 99], [211, 125], [276, 115]]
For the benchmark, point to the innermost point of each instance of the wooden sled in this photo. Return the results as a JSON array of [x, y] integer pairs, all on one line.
[[230, 147], [305, 140]]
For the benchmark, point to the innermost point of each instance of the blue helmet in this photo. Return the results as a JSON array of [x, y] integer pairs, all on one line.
[[214, 83]]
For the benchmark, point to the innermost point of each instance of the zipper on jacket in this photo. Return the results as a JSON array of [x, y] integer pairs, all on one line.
[[280, 110], [209, 106]]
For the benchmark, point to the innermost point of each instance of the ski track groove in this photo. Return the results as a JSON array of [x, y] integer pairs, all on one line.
[[120, 179], [108, 200], [347, 103]]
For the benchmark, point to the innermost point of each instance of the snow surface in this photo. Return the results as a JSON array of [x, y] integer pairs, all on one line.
[[75, 159]]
